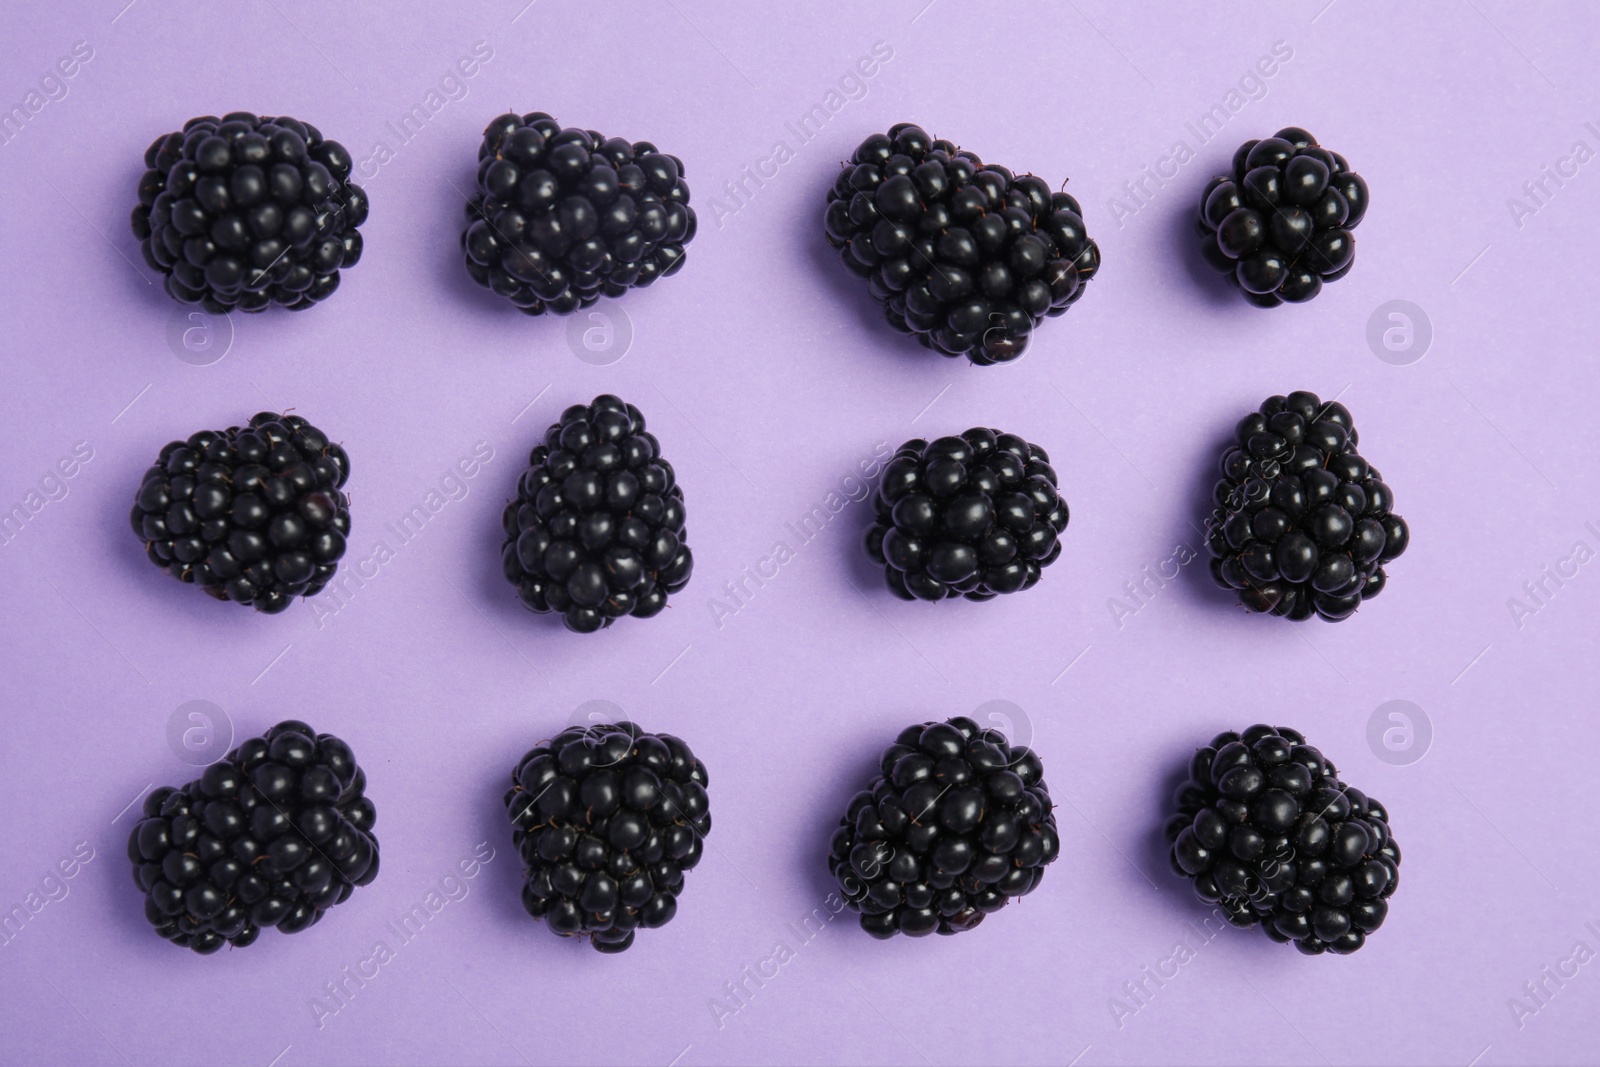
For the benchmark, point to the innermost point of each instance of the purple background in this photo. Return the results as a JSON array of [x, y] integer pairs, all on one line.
[[768, 376]]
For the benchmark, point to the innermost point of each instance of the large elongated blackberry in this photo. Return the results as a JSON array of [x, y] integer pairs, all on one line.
[[252, 514], [562, 217], [607, 819], [1266, 831], [965, 256], [973, 516], [249, 210], [958, 824], [273, 834], [1303, 525], [1279, 225], [597, 529]]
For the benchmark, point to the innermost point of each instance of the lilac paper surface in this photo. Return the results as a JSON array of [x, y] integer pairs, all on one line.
[[769, 377]]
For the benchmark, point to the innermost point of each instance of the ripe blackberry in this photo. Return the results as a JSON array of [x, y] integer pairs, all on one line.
[[596, 531], [607, 818], [957, 824], [1266, 831], [1280, 224], [273, 834], [251, 514], [1302, 523], [973, 516], [564, 216], [249, 210], [966, 257]]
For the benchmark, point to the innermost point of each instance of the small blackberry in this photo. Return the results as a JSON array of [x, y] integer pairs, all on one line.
[[1280, 224], [249, 210], [973, 516], [1303, 525], [1266, 831], [607, 818], [957, 824], [563, 217], [273, 834], [251, 514], [597, 529], [966, 257]]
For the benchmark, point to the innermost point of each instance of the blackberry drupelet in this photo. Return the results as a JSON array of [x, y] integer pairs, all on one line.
[[1266, 831], [273, 834], [597, 529], [966, 257], [562, 217], [973, 516], [958, 824], [251, 514], [249, 210], [1280, 224], [607, 818], [1302, 525]]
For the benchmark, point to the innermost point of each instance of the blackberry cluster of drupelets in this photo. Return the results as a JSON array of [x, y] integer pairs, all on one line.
[[1279, 225], [562, 217], [607, 819], [975, 516], [252, 514], [965, 256], [247, 211], [597, 529], [958, 824], [1303, 524], [274, 834], [1266, 831]]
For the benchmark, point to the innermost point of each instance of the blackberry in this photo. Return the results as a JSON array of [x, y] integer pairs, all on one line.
[[607, 818], [966, 257], [973, 516], [596, 531], [563, 217], [1280, 224], [1266, 831], [1302, 525], [250, 514], [249, 210], [273, 834], [957, 824]]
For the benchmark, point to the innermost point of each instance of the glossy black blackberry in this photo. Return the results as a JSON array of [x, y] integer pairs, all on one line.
[[966, 257], [597, 529], [607, 819], [273, 834], [1267, 832], [252, 514], [247, 211], [958, 824], [563, 217], [1279, 225], [973, 516], [1302, 525]]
